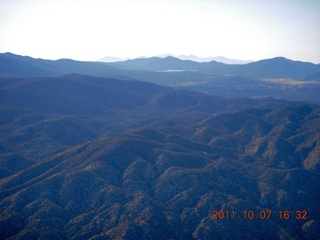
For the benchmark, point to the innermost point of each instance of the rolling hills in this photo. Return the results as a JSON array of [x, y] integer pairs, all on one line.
[[52, 114]]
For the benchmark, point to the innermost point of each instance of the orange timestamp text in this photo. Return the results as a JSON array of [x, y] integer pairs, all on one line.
[[262, 214]]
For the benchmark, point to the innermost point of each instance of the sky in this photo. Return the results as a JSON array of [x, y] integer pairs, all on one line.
[[89, 30]]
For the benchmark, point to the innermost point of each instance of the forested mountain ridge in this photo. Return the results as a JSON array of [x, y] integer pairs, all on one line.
[[165, 182]]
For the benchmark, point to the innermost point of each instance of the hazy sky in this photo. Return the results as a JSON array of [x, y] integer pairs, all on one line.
[[92, 29]]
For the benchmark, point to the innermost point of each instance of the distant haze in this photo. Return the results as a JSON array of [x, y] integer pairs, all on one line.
[[217, 59], [111, 59], [186, 57], [93, 29]]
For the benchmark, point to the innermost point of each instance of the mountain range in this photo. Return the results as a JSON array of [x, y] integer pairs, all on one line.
[[15, 65], [217, 59], [271, 68], [278, 77], [186, 57], [90, 150]]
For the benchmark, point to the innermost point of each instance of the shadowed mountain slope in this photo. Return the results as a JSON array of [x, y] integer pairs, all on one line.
[[164, 182], [43, 116], [85, 157]]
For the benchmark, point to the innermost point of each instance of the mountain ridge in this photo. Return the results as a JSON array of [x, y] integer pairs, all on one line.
[[278, 67], [194, 58], [278, 77], [221, 59], [269, 68]]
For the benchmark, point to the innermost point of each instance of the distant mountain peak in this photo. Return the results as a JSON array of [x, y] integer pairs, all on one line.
[[111, 59], [190, 57], [220, 59]]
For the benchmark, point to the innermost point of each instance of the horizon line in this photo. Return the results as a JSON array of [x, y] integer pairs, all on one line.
[[161, 56]]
